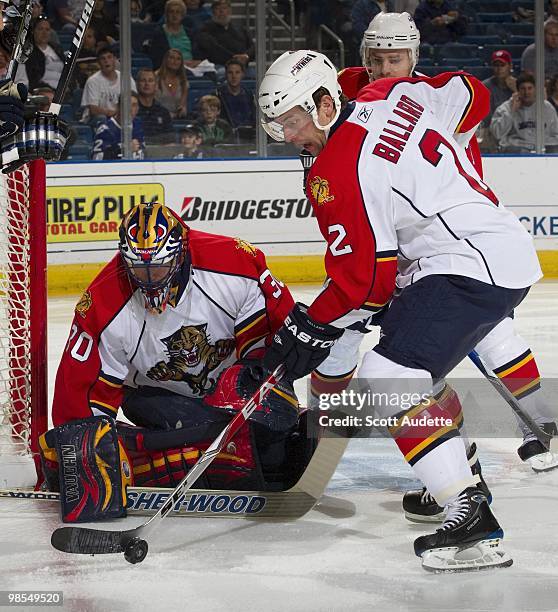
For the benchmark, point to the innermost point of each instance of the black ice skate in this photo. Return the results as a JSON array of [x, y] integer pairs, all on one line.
[[533, 452], [421, 507], [469, 538]]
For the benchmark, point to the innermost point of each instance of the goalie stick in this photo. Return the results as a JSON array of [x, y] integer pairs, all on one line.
[[548, 441], [286, 505], [83, 540], [71, 57], [21, 49]]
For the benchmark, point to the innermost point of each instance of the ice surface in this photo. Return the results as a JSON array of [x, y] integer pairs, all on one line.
[[353, 552]]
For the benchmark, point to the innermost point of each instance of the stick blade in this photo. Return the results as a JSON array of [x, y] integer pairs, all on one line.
[[84, 541]]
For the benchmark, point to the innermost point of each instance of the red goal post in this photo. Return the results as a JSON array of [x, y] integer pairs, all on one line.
[[23, 321]]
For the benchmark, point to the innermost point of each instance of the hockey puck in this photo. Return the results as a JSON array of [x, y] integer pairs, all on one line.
[[136, 550]]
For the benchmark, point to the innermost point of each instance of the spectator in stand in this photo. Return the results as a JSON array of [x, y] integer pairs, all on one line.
[[191, 139], [236, 102], [214, 129], [86, 63], [439, 22], [172, 84], [502, 83], [172, 34], [4, 61], [552, 91], [220, 40], [46, 60], [550, 52], [102, 89], [107, 142], [501, 86], [60, 16], [136, 10], [197, 14], [156, 119], [514, 124], [104, 24], [552, 11]]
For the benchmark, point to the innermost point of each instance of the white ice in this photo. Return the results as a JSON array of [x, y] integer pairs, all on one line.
[[353, 552]]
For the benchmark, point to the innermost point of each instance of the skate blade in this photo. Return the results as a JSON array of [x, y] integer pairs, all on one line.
[[545, 462], [421, 518], [485, 554]]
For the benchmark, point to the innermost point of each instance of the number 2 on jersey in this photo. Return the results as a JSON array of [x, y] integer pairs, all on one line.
[[430, 145]]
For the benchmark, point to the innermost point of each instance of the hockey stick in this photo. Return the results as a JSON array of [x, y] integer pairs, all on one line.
[[20, 51], [262, 506], [71, 57], [83, 540], [548, 441]]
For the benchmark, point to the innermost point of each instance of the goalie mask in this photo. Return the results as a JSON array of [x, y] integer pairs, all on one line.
[[290, 82], [153, 246], [391, 32]]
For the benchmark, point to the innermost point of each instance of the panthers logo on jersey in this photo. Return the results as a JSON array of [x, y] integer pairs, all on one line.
[[187, 348], [84, 304], [319, 188], [246, 246]]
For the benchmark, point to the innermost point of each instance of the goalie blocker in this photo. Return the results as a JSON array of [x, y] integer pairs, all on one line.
[[270, 453]]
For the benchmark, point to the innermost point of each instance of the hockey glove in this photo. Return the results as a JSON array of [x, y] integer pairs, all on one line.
[[12, 99], [43, 136], [301, 344]]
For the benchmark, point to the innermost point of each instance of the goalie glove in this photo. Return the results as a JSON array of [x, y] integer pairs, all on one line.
[[301, 344], [12, 99], [43, 136]]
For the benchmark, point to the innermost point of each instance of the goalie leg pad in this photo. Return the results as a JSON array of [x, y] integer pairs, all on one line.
[[93, 469], [163, 458]]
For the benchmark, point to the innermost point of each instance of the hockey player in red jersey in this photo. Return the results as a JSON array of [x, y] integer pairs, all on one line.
[[390, 49], [401, 206], [172, 331]]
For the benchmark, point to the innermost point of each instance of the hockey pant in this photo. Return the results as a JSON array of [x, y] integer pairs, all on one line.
[[430, 327]]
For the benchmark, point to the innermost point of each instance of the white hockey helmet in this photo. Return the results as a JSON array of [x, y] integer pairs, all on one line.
[[290, 81], [389, 31]]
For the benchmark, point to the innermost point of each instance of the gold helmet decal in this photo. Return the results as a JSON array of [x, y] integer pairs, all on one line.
[[319, 188]]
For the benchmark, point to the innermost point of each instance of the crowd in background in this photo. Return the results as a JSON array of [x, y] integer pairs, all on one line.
[[193, 68]]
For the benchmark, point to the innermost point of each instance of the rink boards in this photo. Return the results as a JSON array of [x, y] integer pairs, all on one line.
[[260, 201]]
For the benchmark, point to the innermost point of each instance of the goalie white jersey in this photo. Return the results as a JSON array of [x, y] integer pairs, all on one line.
[[394, 196], [224, 307]]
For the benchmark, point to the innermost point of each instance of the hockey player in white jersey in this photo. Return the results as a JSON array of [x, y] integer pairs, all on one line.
[[171, 331], [388, 178], [390, 49]]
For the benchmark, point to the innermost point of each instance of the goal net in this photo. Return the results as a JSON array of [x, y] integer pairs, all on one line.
[[23, 393]]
